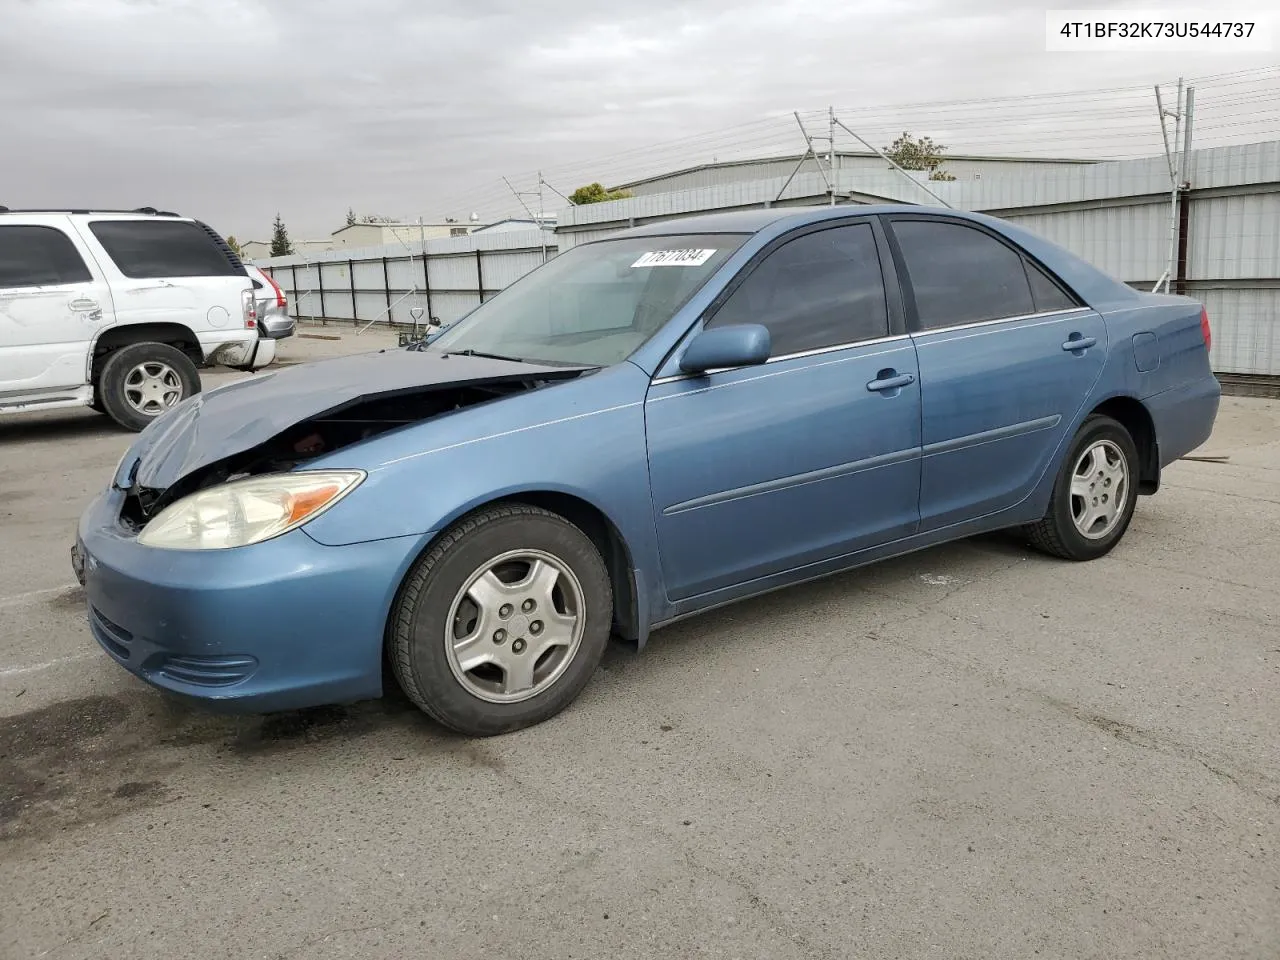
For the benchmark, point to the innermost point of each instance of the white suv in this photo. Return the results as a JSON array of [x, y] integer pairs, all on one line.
[[116, 311]]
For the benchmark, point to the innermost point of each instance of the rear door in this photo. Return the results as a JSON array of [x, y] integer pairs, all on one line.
[[53, 302], [1008, 356], [170, 271]]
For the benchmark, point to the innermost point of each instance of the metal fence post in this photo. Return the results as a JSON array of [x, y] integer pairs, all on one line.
[[426, 281], [386, 285], [351, 278], [320, 288], [479, 276]]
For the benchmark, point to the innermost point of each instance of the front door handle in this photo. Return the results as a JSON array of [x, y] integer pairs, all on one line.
[[1076, 342], [83, 305], [890, 382]]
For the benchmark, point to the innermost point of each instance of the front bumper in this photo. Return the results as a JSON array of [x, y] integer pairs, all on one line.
[[279, 625]]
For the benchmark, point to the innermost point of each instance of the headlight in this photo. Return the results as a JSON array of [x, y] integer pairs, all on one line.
[[248, 511]]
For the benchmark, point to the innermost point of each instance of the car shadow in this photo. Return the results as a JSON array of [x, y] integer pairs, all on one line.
[[62, 764]]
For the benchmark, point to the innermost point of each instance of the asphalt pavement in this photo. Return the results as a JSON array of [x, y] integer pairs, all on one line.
[[971, 752]]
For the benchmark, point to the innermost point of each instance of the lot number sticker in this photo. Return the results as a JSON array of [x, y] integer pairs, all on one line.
[[674, 258]]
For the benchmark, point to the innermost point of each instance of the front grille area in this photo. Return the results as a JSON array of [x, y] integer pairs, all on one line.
[[114, 638]]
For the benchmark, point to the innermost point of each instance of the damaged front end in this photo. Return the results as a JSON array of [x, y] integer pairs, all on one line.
[[281, 420]]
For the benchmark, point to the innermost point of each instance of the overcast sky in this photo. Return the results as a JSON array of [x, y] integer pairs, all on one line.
[[234, 110]]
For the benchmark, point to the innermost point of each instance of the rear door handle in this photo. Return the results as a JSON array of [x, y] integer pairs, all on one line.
[[891, 383], [1079, 343], [83, 304]]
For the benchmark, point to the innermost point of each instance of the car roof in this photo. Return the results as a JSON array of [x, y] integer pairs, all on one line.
[[1093, 285], [753, 221]]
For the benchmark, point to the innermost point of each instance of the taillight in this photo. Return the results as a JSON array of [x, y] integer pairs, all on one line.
[[248, 309], [1204, 328], [280, 298]]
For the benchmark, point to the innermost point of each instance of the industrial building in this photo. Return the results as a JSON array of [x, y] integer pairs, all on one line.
[[1222, 229], [962, 167]]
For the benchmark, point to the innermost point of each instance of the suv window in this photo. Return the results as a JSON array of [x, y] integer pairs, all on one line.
[[32, 256], [961, 275], [145, 249], [819, 290]]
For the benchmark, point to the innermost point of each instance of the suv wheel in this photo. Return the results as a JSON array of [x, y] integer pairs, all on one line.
[[141, 381]]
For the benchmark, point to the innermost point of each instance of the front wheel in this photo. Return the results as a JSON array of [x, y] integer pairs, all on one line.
[[1094, 496], [503, 622]]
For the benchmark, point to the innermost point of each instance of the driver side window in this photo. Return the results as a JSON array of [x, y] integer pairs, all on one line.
[[822, 289]]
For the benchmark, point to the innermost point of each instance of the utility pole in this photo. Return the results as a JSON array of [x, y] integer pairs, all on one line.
[[1170, 155], [881, 154], [542, 230], [831, 150]]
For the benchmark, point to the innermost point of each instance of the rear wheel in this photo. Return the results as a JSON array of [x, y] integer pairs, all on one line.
[[1094, 496], [503, 622], [143, 380]]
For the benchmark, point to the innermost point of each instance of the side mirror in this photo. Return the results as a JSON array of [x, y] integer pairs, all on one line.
[[738, 345]]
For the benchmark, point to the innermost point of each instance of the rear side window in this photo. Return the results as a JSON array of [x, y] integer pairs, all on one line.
[[961, 275], [145, 249], [1047, 294], [33, 256], [822, 289]]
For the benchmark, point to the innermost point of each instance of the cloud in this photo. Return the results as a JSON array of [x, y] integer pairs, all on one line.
[[235, 110]]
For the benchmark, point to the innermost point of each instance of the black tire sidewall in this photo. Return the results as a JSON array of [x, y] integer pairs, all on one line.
[[110, 386], [446, 699], [1091, 431]]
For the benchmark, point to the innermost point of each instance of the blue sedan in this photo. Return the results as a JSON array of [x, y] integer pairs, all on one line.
[[676, 417]]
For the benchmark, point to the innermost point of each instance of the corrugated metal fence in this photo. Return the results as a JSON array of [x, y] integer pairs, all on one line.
[[1116, 215], [383, 284]]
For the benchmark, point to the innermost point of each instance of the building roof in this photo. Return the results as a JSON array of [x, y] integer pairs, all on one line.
[[400, 225], [860, 154]]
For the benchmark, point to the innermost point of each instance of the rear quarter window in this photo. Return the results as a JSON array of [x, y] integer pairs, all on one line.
[[144, 249]]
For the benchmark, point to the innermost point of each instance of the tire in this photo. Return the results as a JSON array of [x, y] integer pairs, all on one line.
[[1061, 531], [438, 628], [143, 380]]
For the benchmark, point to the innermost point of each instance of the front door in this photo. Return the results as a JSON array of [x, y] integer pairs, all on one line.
[[52, 304], [812, 455], [1007, 359]]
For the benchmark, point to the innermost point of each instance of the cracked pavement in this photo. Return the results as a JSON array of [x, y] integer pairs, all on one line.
[[972, 752]]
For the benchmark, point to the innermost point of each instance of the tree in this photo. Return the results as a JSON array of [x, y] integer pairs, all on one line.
[[280, 245], [234, 244], [596, 193], [918, 153], [351, 217], [376, 218]]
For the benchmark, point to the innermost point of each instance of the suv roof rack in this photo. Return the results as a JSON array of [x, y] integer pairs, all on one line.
[[149, 211]]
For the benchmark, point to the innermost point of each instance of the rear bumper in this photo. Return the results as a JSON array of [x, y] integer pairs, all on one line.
[[274, 325], [280, 625], [1184, 417], [251, 353]]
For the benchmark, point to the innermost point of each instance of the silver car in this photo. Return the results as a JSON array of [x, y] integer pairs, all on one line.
[[274, 322]]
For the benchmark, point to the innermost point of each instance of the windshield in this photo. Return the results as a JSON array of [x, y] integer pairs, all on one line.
[[595, 304]]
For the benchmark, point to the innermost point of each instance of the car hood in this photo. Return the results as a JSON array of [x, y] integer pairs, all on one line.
[[229, 420]]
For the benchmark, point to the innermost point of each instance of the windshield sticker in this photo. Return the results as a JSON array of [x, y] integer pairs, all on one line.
[[674, 258]]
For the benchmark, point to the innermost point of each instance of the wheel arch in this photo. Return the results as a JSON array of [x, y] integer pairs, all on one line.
[[1134, 417], [629, 614], [176, 335]]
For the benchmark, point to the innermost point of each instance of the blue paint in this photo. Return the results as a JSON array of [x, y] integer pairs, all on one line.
[[722, 485]]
